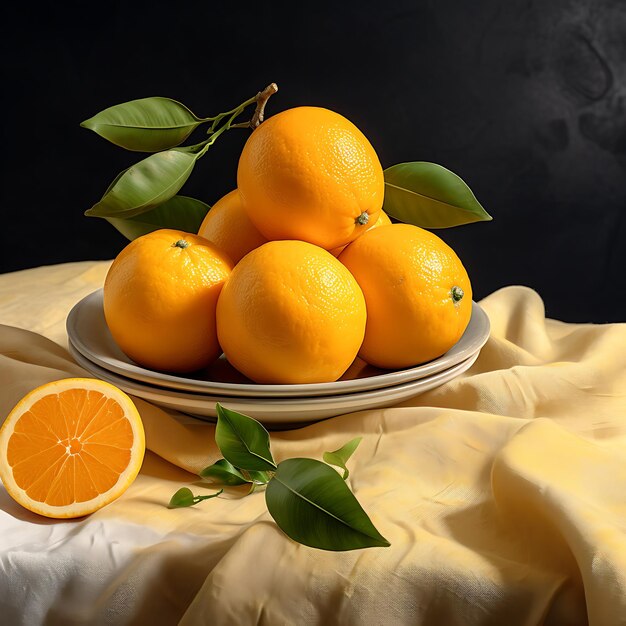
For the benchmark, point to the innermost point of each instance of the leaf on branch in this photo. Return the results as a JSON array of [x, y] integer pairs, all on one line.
[[225, 473], [340, 457], [145, 125], [179, 213], [313, 505], [145, 185], [243, 441], [430, 196]]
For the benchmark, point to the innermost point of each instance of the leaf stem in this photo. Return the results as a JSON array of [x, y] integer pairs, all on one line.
[[197, 499], [261, 99], [220, 116], [215, 130]]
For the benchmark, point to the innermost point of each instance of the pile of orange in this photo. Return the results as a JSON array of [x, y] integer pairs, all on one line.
[[294, 273]]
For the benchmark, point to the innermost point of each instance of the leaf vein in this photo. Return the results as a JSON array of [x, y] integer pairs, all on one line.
[[149, 128], [299, 495], [241, 438], [421, 195]]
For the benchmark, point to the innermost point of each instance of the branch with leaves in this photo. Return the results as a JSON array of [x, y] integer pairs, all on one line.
[[145, 197], [309, 501]]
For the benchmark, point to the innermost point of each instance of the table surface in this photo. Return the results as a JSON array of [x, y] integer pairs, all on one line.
[[501, 492]]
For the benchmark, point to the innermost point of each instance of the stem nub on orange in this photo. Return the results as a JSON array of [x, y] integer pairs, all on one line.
[[71, 446], [291, 313], [418, 294], [160, 296], [383, 220], [310, 174]]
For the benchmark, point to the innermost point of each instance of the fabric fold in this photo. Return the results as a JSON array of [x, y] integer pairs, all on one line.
[[502, 493]]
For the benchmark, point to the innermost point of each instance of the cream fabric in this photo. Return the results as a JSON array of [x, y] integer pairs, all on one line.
[[503, 494]]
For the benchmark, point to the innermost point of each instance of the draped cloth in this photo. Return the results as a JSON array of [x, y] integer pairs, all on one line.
[[502, 492]]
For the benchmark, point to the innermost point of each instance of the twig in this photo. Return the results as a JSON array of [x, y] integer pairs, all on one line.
[[261, 100]]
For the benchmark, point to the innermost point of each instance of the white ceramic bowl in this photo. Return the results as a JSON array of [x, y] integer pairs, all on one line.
[[283, 412], [90, 337]]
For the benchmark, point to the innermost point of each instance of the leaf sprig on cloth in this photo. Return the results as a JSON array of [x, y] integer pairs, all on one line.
[[309, 501]]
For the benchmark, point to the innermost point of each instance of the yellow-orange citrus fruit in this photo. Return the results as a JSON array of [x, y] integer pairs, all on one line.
[[160, 295], [70, 447], [383, 220], [291, 313], [228, 226], [310, 174], [418, 294]]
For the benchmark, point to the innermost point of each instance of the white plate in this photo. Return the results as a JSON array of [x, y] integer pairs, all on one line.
[[89, 335], [276, 412]]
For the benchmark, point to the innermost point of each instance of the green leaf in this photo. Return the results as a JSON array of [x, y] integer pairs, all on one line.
[[430, 196], [227, 474], [145, 125], [184, 497], [341, 456], [146, 184], [242, 440], [180, 213], [312, 504]]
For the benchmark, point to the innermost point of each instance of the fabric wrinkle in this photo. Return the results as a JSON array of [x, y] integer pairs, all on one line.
[[501, 492]]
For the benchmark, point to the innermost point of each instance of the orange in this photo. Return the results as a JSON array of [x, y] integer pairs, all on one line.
[[228, 226], [383, 220], [418, 294], [291, 313], [160, 296], [310, 174], [70, 447]]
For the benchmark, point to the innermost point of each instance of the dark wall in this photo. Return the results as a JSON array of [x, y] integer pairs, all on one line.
[[524, 100]]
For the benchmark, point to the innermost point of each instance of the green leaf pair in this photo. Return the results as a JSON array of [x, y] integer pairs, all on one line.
[[148, 188], [309, 501], [149, 125]]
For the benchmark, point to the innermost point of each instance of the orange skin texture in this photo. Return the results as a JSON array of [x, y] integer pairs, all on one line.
[[160, 300], [406, 274], [291, 313], [383, 220], [228, 226], [308, 173]]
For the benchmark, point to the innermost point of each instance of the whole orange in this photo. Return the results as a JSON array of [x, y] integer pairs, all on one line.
[[228, 226], [291, 313], [418, 294], [160, 296], [383, 220], [310, 174]]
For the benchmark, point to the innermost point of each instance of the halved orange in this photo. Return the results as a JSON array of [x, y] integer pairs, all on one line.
[[70, 447]]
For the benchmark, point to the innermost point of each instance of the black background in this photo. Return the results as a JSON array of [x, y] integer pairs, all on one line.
[[525, 100]]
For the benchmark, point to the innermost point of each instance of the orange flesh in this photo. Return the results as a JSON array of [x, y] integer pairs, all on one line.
[[70, 447]]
